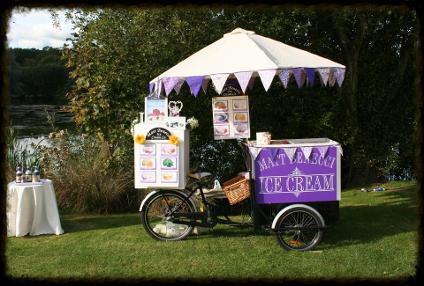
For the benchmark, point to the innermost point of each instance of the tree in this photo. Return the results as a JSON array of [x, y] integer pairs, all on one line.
[[115, 53], [379, 105], [38, 75]]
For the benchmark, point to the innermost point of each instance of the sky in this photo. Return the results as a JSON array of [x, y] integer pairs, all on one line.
[[34, 29]]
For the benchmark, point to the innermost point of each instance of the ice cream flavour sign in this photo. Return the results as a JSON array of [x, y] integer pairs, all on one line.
[[298, 179], [231, 117]]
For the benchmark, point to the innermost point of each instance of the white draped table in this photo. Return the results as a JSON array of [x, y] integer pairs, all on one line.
[[32, 209]]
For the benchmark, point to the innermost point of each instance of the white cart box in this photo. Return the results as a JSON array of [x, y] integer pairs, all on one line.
[[157, 162]]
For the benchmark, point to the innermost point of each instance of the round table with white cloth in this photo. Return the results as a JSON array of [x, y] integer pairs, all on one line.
[[32, 209]]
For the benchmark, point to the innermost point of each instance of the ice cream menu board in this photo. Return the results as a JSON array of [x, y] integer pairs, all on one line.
[[231, 117], [161, 148], [168, 163], [158, 163]]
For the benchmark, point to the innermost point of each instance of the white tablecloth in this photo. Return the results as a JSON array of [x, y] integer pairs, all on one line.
[[32, 209]]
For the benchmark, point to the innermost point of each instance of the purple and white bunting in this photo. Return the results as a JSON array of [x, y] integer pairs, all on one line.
[[284, 76], [339, 73], [169, 84], [266, 77], [322, 150], [332, 78], [274, 152], [299, 76], [251, 83], [310, 74], [290, 151], [178, 86], [246, 80], [205, 84], [160, 88], [219, 81], [340, 149], [254, 151], [194, 82], [324, 73], [306, 151], [243, 79]]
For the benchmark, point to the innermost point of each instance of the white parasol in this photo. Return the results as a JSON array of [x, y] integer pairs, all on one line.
[[244, 55]]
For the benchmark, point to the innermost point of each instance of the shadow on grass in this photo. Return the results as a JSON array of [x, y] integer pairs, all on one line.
[[397, 213], [370, 223], [229, 231], [75, 223], [357, 224]]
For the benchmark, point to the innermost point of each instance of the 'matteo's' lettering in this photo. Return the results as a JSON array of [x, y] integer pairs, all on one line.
[[158, 134], [268, 162]]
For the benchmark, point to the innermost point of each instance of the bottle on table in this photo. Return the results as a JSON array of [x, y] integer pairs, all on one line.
[[28, 175], [36, 175], [19, 178]]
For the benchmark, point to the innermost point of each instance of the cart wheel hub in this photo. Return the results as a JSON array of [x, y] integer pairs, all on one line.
[[298, 231]]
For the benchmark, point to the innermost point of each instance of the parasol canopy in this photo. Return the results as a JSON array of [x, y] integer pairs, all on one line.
[[243, 55]]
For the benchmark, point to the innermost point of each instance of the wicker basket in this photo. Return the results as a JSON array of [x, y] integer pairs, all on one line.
[[237, 189]]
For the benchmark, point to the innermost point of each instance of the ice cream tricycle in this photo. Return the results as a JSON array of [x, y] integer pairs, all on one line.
[[292, 186]]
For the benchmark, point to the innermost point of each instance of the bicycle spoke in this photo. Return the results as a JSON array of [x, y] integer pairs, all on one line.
[[304, 235], [310, 221], [158, 219]]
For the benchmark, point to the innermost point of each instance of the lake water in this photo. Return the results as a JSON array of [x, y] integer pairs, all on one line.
[[31, 122]]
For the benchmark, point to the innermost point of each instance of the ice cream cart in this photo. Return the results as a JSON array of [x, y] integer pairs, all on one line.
[[293, 184]]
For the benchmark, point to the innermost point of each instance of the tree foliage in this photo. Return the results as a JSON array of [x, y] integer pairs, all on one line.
[[38, 76], [116, 52]]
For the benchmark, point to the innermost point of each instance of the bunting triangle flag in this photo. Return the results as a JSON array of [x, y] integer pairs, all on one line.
[[194, 82], [332, 78], [306, 151], [205, 84], [324, 73], [151, 87], [169, 84], [340, 149], [339, 73], [251, 83], [274, 152], [160, 88], [284, 76], [178, 86], [322, 150], [266, 77], [290, 152], [310, 74], [243, 79], [299, 76], [219, 81], [254, 152]]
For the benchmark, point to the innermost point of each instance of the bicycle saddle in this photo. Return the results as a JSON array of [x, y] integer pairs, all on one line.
[[198, 175]]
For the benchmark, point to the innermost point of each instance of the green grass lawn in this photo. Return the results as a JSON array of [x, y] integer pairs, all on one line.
[[376, 237]]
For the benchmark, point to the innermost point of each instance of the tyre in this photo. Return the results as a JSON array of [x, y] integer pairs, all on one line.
[[304, 229], [157, 216]]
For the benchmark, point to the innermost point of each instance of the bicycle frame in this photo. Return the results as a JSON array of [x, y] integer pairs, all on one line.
[[207, 217]]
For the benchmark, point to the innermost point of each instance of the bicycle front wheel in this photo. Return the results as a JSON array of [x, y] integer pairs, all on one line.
[[160, 209]]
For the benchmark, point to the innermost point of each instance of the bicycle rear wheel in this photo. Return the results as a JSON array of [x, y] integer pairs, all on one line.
[[157, 216], [303, 229]]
